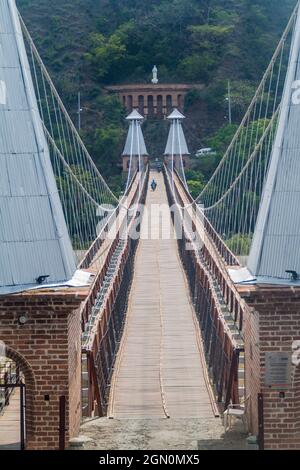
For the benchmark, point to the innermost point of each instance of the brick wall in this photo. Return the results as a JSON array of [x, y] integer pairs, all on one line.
[[272, 323], [252, 366], [47, 348]]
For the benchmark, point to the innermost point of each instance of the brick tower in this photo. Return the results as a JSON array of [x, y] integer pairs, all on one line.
[[40, 330]]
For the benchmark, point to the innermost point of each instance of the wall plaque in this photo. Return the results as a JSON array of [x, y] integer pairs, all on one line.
[[278, 372]]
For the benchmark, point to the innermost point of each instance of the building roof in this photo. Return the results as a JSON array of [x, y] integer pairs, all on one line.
[[34, 240], [135, 143], [276, 242], [176, 144]]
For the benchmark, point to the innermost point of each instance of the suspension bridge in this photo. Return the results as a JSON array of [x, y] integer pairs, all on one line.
[[168, 322]]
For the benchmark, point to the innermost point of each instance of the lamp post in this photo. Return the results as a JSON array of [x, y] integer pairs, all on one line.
[[79, 111], [228, 98]]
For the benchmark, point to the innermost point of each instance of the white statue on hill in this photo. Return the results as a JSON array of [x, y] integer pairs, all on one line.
[[154, 79]]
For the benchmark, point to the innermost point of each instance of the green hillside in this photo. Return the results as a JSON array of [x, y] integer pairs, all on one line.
[[87, 44]]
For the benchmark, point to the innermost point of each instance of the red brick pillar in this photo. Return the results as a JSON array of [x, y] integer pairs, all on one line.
[[47, 348], [272, 325]]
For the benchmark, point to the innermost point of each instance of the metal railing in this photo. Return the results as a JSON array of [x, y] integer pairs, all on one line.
[[221, 349], [9, 375], [106, 308]]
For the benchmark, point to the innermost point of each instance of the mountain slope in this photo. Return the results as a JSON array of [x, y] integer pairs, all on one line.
[[86, 44]]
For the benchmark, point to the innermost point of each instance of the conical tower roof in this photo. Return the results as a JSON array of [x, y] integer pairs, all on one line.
[[135, 116], [135, 142], [176, 114], [176, 144], [34, 239]]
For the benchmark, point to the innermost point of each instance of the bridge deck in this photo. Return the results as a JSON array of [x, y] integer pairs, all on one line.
[[160, 369]]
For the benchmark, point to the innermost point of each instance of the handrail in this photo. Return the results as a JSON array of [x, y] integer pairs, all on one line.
[[86, 306], [97, 243], [221, 246], [219, 269]]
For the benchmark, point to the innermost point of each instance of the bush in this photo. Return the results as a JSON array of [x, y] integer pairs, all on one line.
[[239, 244], [192, 97]]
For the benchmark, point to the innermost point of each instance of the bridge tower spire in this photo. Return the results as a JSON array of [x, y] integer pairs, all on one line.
[[34, 240], [176, 152], [135, 152], [276, 240]]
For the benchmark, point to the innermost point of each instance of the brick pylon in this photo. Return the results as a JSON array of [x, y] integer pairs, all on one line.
[[272, 325], [47, 348]]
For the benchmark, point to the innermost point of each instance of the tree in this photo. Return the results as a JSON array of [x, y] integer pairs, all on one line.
[[105, 53], [240, 244], [111, 109], [195, 182], [207, 43], [242, 93], [222, 138], [195, 188], [80, 211], [108, 143]]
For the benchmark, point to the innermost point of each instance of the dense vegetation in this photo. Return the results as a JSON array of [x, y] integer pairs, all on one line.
[[87, 44]]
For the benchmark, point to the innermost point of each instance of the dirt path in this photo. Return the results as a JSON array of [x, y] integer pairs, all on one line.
[[161, 434]]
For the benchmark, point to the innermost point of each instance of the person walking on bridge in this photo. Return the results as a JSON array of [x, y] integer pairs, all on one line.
[[153, 185]]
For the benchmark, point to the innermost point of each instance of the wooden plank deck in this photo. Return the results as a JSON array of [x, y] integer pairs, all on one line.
[[160, 370]]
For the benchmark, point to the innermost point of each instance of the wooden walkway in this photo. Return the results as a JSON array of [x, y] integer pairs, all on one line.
[[10, 424], [160, 370]]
